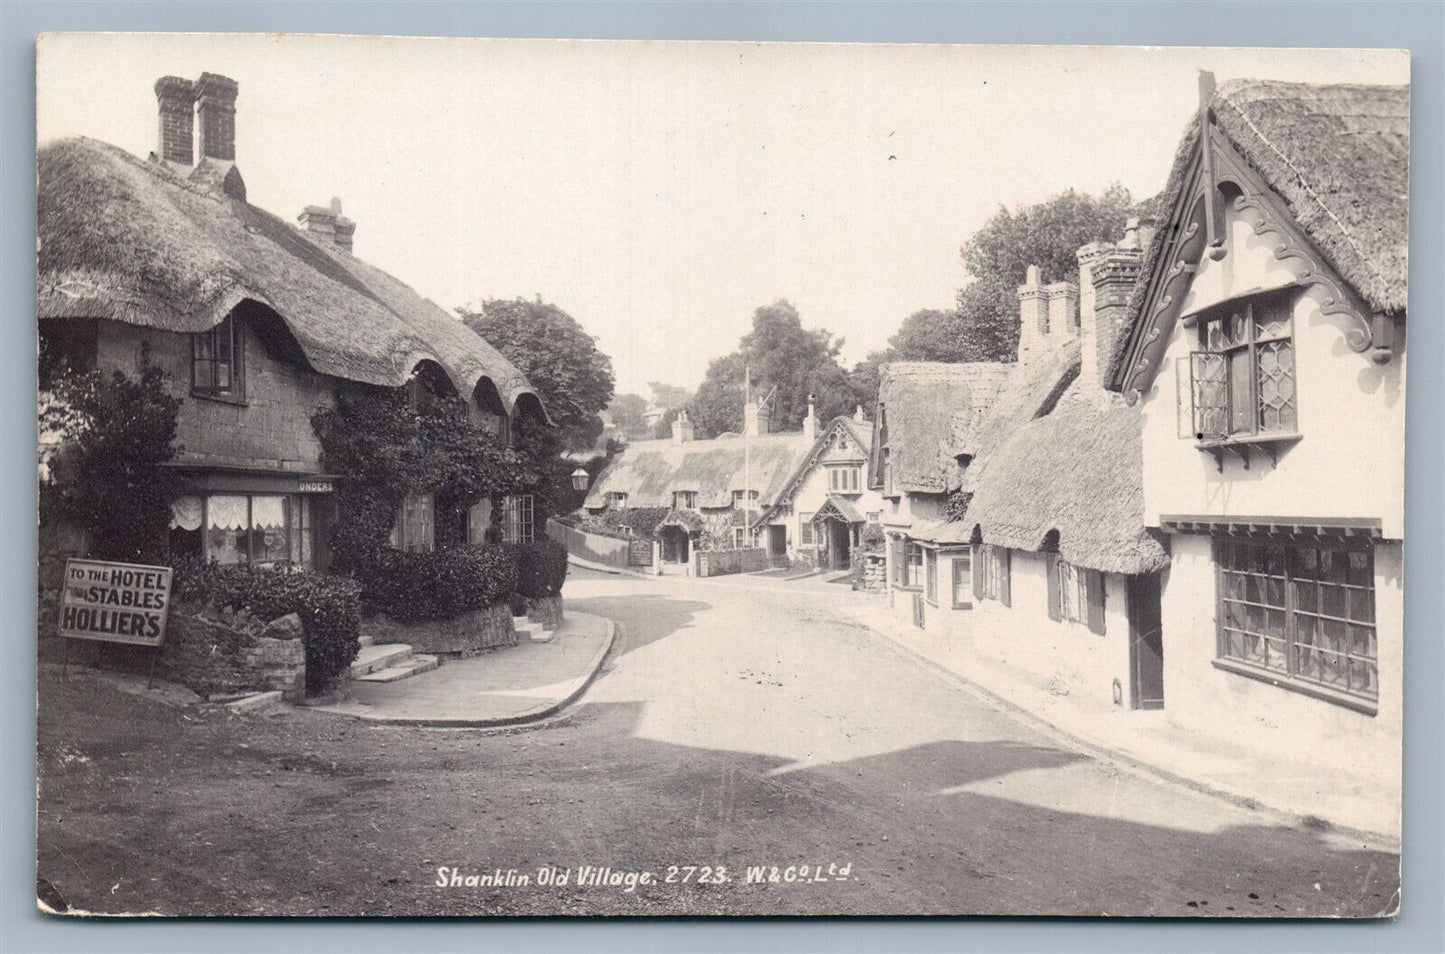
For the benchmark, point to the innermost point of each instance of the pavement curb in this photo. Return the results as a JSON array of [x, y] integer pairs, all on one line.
[[1129, 762], [544, 711]]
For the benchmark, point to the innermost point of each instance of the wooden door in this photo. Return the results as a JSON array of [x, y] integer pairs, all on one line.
[[1146, 642]]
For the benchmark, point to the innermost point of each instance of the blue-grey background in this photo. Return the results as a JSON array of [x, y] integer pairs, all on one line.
[[1418, 26]]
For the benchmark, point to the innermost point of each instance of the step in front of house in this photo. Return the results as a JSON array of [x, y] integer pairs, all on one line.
[[372, 658], [367, 640], [527, 629], [413, 665]]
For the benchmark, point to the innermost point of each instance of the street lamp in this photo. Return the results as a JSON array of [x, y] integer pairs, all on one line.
[[580, 478]]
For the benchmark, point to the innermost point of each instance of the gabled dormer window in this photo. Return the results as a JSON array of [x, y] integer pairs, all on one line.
[[1242, 377], [684, 500], [218, 362]]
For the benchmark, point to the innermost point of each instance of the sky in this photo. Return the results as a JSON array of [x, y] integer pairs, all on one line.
[[659, 192]]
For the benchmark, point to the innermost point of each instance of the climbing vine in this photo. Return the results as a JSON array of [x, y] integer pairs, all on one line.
[[386, 449]]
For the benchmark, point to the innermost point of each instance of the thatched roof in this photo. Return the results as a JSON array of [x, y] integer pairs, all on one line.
[[1031, 390], [918, 403], [650, 471], [131, 241], [1077, 471], [1339, 157]]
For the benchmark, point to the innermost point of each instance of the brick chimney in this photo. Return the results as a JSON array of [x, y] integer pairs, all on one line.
[[756, 419], [1063, 311], [177, 101], [326, 223], [682, 429], [216, 105], [1107, 275], [1033, 316]]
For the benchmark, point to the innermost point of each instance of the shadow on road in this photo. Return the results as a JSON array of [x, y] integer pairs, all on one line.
[[644, 619]]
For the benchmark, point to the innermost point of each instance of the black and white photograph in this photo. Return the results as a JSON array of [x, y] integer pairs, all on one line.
[[524, 477]]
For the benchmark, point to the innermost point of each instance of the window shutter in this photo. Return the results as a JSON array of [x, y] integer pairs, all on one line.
[[1004, 559], [1210, 393], [1094, 589], [978, 558], [1055, 610]]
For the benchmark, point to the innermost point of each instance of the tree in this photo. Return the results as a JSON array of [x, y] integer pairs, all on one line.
[[928, 335], [559, 358], [787, 360], [627, 416], [1048, 234]]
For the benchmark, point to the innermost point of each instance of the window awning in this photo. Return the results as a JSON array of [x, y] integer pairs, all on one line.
[[1295, 526]]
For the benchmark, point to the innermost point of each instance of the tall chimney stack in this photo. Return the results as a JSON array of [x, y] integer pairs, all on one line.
[[177, 101], [1033, 315], [216, 104], [682, 428], [327, 224], [1107, 273], [810, 423]]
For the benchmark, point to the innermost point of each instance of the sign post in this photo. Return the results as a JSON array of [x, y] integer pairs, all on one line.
[[115, 603]]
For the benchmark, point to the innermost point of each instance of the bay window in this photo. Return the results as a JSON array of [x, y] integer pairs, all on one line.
[[253, 529], [1301, 612]]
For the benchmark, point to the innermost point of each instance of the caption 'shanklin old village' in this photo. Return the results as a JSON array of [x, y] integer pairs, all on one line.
[[590, 876]]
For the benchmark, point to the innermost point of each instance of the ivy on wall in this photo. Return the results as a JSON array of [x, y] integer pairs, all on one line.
[[386, 449]]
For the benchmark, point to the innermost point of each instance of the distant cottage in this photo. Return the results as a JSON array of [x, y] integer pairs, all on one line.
[[257, 323]]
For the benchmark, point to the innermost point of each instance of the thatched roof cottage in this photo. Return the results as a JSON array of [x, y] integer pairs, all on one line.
[[256, 322], [1264, 348]]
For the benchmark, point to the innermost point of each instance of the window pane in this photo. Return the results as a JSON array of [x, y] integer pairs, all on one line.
[[1362, 605], [1276, 385], [1362, 570], [1271, 319], [228, 524], [1241, 404], [203, 373]]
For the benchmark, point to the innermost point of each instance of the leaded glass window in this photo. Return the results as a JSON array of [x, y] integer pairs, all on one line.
[[1242, 381], [1305, 611]]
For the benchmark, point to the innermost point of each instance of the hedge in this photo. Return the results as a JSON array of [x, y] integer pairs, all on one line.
[[441, 584], [541, 568], [329, 607]]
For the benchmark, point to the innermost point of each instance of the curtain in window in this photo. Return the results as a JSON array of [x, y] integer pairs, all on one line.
[[186, 513]]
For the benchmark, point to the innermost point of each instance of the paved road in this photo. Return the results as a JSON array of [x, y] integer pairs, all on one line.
[[735, 728]]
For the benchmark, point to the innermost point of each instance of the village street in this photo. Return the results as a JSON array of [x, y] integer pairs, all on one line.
[[739, 723]]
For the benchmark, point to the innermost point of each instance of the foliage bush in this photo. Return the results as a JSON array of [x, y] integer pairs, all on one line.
[[871, 540], [114, 435], [642, 521], [443, 583], [541, 568], [329, 607]]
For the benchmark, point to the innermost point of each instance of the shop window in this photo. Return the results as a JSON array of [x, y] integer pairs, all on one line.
[[1241, 382], [1302, 612], [415, 525], [253, 529], [518, 519], [218, 362]]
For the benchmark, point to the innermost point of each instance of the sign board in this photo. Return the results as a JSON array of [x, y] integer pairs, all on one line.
[[315, 487], [115, 602]]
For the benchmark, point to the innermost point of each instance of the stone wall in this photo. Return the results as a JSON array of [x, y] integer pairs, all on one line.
[[464, 635], [212, 652], [873, 572], [546, 610], [721, 562]]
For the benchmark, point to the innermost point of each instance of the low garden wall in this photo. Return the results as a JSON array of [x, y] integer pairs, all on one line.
[[546, 610], [463, 635], [609, 551], [722, 562]]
